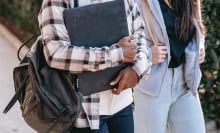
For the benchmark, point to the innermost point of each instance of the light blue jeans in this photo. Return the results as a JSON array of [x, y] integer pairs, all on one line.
[[176, 108]]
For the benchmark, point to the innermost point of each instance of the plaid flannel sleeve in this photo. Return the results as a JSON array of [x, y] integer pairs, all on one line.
[[142, 65], [60, 54]]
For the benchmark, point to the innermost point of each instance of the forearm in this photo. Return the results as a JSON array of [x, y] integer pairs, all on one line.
[[59, 52], [142, 65]]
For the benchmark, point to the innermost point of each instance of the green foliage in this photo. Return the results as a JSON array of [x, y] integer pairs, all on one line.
[[210, 84], [23, 14]]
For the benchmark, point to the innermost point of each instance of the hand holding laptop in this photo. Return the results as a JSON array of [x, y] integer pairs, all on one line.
[[129, 48], [99, 25], [127, 78]]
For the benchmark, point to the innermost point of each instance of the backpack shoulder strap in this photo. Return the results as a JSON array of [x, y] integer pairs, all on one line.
[[24, 44], [17, 95]]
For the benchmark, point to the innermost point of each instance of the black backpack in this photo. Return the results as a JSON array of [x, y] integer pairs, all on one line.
[[48, 98]]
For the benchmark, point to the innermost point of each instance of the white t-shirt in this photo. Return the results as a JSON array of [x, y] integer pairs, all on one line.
[[111, 103]]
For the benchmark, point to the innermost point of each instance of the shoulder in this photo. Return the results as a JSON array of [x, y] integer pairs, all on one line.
[[130, 2], [58, 3]]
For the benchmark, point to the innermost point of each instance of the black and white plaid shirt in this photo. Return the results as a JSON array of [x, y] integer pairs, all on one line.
[[60, 54]]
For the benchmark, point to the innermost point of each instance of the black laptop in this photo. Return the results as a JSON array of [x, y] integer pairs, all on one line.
[[97, 25]]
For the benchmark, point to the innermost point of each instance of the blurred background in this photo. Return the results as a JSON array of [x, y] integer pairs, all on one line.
[[20, 18]]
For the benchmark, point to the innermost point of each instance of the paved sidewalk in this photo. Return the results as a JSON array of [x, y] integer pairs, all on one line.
[[12, 122]]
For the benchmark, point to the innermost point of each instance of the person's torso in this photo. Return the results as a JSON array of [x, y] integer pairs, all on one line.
[[152, 84], [109, 102]]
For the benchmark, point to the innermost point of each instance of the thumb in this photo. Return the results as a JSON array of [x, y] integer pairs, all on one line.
[[116, 80]]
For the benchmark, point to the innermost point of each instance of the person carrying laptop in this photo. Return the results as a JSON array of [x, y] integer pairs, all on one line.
[[111, 110]]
